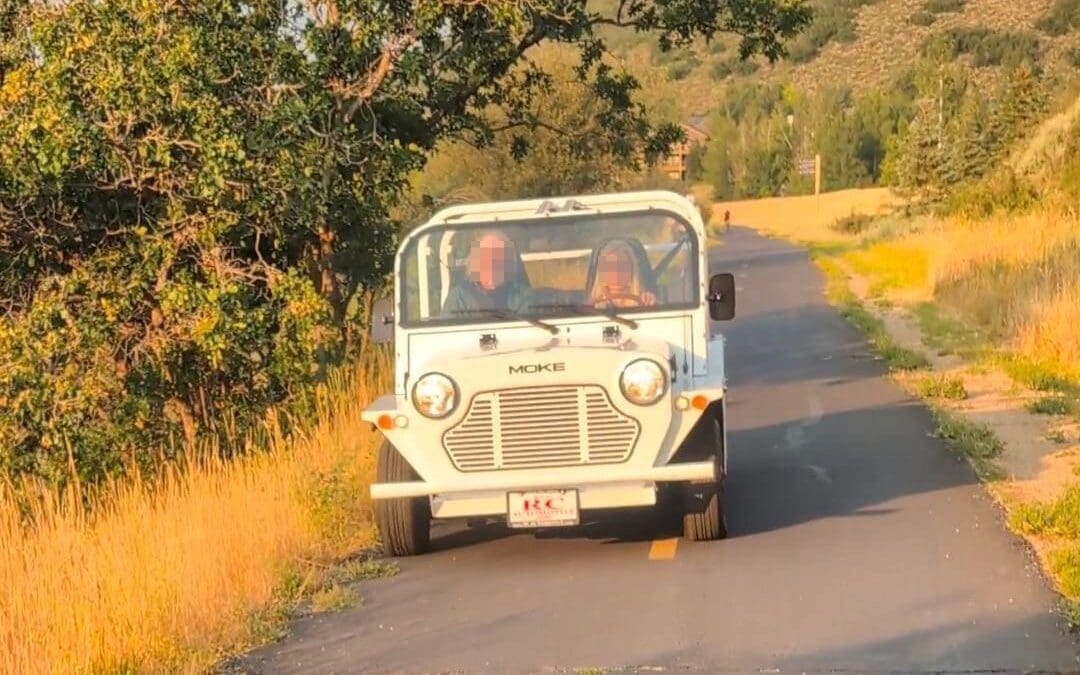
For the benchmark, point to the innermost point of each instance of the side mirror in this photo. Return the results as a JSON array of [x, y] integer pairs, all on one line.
[[722, 296], [382, 321]]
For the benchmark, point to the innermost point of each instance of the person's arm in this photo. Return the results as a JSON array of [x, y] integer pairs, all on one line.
[[456, 303]]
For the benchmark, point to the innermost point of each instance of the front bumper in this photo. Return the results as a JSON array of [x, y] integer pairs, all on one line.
[[576, 476], [616, 489]]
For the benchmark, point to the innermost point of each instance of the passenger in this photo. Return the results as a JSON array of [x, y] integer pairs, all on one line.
[[496, 278], [619, 278]]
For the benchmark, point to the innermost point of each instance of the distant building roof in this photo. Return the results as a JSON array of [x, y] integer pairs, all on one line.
[[694, 133], [698, 122]]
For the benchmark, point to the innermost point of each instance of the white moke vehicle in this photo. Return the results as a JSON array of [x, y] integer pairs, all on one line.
[[552, 357]]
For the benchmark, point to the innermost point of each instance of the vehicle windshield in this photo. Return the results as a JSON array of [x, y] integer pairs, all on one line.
[[549, 268]]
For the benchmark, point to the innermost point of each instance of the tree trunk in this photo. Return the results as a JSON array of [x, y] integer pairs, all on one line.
[[328, 283]]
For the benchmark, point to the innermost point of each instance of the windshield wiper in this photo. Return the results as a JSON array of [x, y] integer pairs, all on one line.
[[507, 315], [588, 310]]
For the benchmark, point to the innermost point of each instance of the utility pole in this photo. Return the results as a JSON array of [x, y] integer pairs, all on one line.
[[817, 183], [817, 174], [940, 104]]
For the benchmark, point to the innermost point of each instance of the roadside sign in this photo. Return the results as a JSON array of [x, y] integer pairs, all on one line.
[[806, 167]]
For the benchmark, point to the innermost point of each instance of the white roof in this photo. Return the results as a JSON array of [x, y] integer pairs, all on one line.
[[556, 207]]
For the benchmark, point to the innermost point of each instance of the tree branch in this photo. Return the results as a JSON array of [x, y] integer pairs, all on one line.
[[361, 93]]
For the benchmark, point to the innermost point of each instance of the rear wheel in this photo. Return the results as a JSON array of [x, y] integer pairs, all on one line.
[[404, 524]]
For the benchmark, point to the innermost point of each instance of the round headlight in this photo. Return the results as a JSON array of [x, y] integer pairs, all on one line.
[[643, 382], [435, 395]]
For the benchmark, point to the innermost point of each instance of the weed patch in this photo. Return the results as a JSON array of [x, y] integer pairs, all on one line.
[[947, 335], [896, 357], [1060, 520], [1070, 611], [1059, 517], [974, 441], [1036, 374], [334, 598], [839, 293], [940, 385], [1049, 405], [1065, 564]]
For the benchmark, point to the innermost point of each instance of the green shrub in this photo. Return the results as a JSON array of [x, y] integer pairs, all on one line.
[[943, 6], [720, 69], [717, 47], [745, 67], [856, 223], [1002, 191], [1069, 172], [1049, 405], [1072, 56], [1062, 17], [833, 22], [922, 18], [681, 69], [987, 47]]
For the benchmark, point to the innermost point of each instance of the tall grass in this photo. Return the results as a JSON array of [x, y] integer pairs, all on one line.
[[1019, 276], [173, 573], [1015, 277]]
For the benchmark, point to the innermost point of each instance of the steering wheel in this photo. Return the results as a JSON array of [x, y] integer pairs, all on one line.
[[610, 298]]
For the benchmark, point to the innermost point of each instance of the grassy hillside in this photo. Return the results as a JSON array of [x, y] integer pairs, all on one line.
[[888, 37], [870, 43]]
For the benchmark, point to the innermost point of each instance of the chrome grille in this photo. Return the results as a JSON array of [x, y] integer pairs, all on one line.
[[541, 427]]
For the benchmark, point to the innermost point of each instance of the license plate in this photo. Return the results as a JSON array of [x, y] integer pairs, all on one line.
[[542, 508]]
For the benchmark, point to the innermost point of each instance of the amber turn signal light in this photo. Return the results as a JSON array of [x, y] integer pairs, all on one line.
[[386, 423], [700, 402]]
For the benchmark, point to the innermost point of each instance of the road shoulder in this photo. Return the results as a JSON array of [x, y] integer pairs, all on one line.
[[1029, 461]]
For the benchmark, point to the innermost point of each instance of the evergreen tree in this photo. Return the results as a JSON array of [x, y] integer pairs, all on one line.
[[917, 159], [1021, 102], [971, 144]]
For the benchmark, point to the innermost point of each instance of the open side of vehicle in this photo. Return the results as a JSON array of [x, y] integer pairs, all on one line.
[[552, 357]]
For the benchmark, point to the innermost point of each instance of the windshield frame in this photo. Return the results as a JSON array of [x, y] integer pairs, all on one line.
[[434, 226]]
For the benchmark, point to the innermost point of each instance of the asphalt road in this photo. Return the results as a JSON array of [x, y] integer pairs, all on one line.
[[858, 543]]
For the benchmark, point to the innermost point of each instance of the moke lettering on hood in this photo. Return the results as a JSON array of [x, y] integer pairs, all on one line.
[[533, 368]]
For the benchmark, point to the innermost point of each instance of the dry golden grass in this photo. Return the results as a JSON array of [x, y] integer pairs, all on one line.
[[1016, 275], [806, 218], [1019, 275], [174, 575]]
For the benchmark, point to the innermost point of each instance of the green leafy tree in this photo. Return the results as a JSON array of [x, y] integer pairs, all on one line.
[[572, 147], [717, 162], [191, 193]]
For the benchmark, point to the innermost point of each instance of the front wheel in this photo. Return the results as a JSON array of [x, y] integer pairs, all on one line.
[[703, 511], [404, 524]]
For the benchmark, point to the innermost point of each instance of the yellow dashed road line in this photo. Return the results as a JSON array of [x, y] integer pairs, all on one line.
[[663, 549]]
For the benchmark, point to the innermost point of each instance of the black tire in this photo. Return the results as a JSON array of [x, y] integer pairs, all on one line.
[[703, 511], [704, 518], [404, 524]]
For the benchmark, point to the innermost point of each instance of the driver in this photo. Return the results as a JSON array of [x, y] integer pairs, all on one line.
[[619, 279], [495, 278]]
